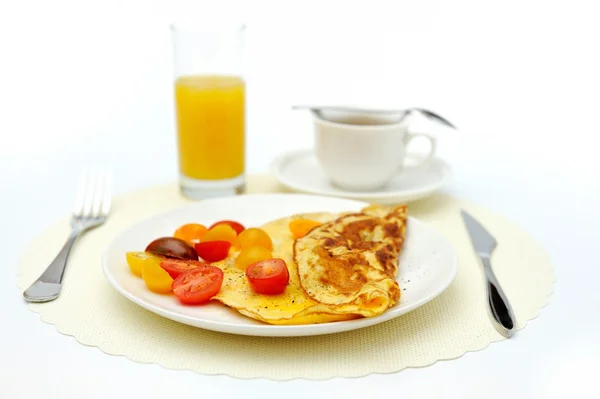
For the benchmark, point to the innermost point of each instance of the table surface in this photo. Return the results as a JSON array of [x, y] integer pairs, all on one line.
[[91, 83]]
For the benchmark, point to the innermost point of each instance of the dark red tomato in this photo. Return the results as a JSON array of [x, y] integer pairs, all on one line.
[[238, 227], [213, 251], [269, 277], [198, 285], [176, 267], [172, 247]]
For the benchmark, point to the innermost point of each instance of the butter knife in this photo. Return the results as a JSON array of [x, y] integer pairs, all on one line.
[[484, 244]]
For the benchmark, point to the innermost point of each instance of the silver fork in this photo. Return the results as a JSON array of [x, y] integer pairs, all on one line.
[[91, 210]]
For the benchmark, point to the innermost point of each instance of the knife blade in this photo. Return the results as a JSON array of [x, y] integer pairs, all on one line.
[[484, 244]]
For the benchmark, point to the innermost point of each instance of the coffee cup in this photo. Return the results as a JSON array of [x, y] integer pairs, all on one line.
[[364, 151]]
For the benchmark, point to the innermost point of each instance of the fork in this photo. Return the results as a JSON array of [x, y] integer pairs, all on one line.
[[91, 210]]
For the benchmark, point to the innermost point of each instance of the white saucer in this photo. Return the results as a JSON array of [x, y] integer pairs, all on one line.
[[300, 171]]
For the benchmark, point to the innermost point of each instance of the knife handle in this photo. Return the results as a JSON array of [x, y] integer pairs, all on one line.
[[499, 305]]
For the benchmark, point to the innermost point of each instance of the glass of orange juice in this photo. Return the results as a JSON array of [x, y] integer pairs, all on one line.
[[210, 94]]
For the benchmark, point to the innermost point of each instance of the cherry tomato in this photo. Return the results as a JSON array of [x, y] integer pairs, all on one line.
[[238, 227], [137, 260], [198, 285], [269, 277], [251, 255], [156, 278], [172, 247], [222, 232], [176, 267], [253, 237], [191, 232], [301, 227], [213, 251]]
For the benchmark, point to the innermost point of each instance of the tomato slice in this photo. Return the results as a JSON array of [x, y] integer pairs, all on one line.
[[251, 255], [213, 251], [176, 267], [137, 260], [253, 237], [238, 227], [222, 232], [269, 277], [156, 278], [191, 232], [198, 285]]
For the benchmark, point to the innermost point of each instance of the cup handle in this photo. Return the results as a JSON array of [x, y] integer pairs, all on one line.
[[432, 147]]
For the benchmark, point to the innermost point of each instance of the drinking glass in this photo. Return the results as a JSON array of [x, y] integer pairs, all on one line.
[[210, 110]]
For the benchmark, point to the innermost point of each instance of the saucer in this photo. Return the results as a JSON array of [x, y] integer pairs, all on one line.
[[301, 171]]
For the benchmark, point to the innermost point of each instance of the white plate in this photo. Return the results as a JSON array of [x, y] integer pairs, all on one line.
[[300, 171], [427, 266]]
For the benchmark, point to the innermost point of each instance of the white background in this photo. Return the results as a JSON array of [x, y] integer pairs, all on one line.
[[91, 82]]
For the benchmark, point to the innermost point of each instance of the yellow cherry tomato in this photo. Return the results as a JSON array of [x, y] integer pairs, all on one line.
[[221, 232], [191, 232], [301, 227], [251, 255], [253, 237], [137, 260], [156, 278]]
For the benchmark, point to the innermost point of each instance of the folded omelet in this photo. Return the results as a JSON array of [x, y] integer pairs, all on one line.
[[323, 276], [350, 264]]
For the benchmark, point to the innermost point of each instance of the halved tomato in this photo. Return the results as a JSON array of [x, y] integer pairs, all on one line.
[[137, 260], [253, 237], [251, 255], [269, 277], [191, 232], [238, 227], [222, 232], [156, 278], [198, 285], [176, 267], [213, 251]]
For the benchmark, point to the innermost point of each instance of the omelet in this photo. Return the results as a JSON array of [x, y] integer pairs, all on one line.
[[350, 264], [341, 270]]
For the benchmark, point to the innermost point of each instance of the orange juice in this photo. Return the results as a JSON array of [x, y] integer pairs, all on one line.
[[210, 125]]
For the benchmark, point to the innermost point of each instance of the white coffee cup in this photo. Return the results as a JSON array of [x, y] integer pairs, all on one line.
[[362, 152]]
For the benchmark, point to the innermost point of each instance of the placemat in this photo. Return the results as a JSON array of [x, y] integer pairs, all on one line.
[[454, 323]]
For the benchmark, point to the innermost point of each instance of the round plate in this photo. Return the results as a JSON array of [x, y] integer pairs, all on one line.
[[428, 262], [300, 171]]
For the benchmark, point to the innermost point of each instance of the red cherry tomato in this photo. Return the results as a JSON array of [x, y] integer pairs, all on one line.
[[198, 285], [238, 227], [213, 251], [269, 277], [176, 267]]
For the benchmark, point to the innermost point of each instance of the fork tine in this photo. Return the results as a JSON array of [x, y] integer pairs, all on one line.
[[106, 200], [89, 193], [81, 189], [98, 194]]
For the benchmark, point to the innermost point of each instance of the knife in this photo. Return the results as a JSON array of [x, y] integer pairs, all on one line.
[[484, 244]]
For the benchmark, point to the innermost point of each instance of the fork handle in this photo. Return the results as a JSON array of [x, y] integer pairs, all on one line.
[[47, 287]]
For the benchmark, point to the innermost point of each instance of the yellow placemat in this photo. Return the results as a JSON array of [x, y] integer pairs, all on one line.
[[454, 323]]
